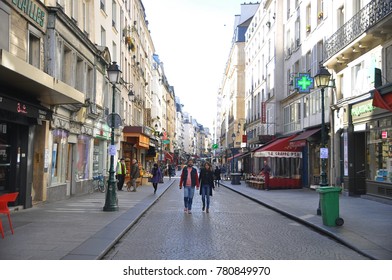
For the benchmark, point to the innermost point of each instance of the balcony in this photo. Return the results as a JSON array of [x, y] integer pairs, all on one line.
[[362, 32]]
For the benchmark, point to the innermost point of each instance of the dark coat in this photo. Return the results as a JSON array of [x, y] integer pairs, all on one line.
[[194, 177], [207, 178], [156, 174], [217, 173], [135, 172]]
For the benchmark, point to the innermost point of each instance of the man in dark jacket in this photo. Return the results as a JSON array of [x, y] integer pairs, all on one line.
[[135, 173], [189, 180]]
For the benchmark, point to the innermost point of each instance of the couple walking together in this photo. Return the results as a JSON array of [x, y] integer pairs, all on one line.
[[190, 179]]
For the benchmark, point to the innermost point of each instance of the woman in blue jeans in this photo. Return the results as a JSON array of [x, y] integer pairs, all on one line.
[[206, 185]]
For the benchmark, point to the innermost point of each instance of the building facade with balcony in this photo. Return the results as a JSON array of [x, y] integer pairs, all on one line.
[[358, 53]]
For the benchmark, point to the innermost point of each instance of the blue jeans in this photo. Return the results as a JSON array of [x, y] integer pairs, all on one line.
[[189, 192], [205, 195]]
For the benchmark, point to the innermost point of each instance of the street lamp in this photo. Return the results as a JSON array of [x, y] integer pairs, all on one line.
[[111, 203], [232, 152], [322, 81]]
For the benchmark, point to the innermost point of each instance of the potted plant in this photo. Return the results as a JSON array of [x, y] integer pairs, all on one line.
[[128, 40]]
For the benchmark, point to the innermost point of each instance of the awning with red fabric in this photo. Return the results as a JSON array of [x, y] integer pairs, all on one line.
[[382, 101], [169, 157], [300, 140], [235, 156], [279, 148]]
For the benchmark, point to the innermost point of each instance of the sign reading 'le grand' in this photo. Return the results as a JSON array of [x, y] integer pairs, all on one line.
[[32, 10]]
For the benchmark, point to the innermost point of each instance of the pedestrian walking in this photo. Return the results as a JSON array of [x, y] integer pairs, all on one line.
[[266, 170], [156, 176], [189, 180], [135, 173], [217, 175], [206, 185], [170, 170], [120, 173]]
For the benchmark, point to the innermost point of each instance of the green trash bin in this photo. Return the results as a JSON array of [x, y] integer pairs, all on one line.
[[329, 204]]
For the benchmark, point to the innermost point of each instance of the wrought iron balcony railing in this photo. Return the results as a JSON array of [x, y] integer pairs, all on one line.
[[366, 18]]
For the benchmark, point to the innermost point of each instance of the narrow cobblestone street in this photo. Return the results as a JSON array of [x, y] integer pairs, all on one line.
[[236, 228]]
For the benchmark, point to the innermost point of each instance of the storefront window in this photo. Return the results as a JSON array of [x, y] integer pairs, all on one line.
[[286, 167], [82, 157], [98, 163], [379, 154], [59, 156]]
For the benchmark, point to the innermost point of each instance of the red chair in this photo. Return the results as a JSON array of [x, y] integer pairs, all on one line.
[[1, 230], [4, 200]]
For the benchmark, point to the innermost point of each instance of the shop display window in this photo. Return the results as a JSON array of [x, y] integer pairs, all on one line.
[[286, 167], [82, 156], [379, 155], [59, 156]]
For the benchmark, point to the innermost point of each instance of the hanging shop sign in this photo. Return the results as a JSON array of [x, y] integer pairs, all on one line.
[[304, 82]]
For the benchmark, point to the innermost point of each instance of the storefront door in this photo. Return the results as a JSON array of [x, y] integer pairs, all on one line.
[[359, 163]]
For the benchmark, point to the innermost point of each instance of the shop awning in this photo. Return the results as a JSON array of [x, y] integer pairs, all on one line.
[[279, 148], [382, 101], [169, 157], [235, 156], [300, 140], [135, 135]]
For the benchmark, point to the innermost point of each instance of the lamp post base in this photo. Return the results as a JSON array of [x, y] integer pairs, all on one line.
[[111, 201]]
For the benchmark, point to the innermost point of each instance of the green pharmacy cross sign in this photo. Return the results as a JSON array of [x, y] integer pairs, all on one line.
[[215, 146], [304, 82]]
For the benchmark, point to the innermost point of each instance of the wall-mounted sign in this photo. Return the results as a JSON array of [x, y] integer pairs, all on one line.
[[23, 108], [304, 82], [33, 11]]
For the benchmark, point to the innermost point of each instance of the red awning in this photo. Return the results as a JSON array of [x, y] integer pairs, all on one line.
[[169, 156], [382, 101], [235, 156], [279, 148], [300, 140]]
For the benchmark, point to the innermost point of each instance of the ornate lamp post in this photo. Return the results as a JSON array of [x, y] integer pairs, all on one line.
[[322, 81], [111, 203]]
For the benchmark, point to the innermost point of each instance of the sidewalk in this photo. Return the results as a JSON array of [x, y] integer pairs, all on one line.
[[367, 224], [77, 228]]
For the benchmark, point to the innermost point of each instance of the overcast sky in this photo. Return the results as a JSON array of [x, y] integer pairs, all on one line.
[[193, 39]]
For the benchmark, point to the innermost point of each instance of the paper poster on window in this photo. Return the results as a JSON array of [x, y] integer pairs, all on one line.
[[54, 159]]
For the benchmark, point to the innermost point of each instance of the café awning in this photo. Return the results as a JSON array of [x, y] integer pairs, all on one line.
[[300, 140], [239, 155], [280, 148]]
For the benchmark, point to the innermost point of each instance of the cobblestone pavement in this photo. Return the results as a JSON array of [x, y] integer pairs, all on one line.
[[236, 228]]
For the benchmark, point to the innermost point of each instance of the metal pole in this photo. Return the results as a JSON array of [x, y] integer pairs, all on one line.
[[323, 173], [111, 202], [232, 159]]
